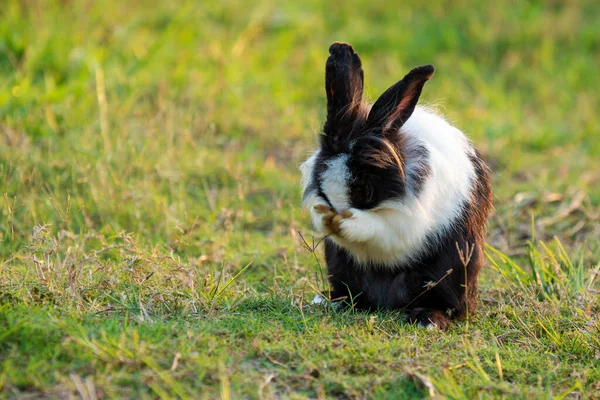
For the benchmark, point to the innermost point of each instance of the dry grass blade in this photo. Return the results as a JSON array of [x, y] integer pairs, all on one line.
[[428, 286], [423, 380]]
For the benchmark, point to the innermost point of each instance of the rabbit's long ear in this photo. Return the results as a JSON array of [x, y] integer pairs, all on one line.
[[397, 104], [344, 81]]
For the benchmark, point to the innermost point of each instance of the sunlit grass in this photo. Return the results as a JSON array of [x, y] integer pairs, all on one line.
[[151, 231]]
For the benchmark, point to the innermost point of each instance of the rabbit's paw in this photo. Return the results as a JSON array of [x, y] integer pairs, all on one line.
[[429, 318], [322, 209], [323, 217], [337, 222], [358, 226]]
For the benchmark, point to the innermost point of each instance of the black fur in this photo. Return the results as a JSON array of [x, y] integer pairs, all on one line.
[[344, 82]]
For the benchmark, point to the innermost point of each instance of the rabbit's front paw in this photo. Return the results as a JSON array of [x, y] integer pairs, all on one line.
[[322, 209], [330, 221], [323, 217], [337, 222]]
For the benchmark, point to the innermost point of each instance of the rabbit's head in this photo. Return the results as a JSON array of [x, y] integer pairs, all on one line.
[[360, 162]]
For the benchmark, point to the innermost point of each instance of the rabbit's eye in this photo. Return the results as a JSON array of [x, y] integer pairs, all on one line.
[[363, 195], [368, 194]]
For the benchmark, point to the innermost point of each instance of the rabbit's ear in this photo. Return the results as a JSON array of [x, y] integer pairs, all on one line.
[[397, 104], [344, 81]]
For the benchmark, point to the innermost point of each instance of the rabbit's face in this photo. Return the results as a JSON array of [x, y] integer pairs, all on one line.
[[368, 173], [360, 161], [376, 171]]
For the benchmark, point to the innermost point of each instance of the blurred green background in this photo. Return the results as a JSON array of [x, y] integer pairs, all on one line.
[[208, 102], [134, 132]]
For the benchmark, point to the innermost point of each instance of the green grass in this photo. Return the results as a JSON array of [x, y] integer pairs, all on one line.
[[149, 241]]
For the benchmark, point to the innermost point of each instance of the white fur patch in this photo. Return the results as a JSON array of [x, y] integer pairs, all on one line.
[[334, 182], [430, 326], [307, 169], [310, 198], [322, 301]]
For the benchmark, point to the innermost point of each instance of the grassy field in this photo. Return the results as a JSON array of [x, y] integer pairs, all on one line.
[[151, 230]]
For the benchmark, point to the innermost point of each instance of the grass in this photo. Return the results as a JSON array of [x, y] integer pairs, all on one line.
[[149, 228]]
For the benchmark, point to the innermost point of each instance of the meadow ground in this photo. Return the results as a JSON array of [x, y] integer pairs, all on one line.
[[149, 231]]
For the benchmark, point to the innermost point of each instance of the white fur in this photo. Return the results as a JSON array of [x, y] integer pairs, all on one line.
[[334, 182], [430, 326], [311, 199], [396, 231], [319, 300], [306, 169]]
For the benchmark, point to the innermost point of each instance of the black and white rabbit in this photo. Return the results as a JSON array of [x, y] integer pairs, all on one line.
[[398, 191]]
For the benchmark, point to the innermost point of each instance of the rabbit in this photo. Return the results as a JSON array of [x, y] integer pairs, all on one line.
[[402, 196]]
